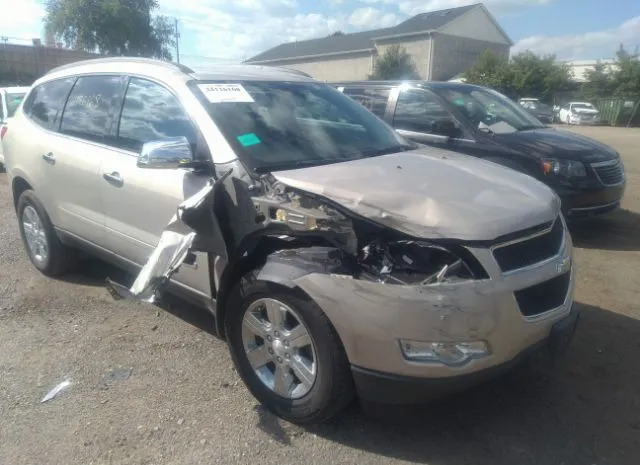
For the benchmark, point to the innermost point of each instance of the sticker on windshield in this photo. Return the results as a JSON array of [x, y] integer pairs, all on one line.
[[249, 139], [219, 93]]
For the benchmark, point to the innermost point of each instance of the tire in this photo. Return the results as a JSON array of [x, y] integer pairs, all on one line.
[[58, 258], [332, 388]]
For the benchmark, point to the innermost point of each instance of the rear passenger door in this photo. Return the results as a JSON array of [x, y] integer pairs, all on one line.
[[138, 202], [72, 157]]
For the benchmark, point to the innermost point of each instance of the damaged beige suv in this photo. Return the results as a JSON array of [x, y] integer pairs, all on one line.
[[338, 258]]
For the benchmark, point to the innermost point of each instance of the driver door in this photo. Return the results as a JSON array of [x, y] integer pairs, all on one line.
[[139, 202]]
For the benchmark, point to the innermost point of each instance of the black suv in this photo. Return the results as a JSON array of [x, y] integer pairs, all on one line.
[[587, 175]]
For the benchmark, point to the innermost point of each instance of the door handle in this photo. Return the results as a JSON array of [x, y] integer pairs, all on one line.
[[113, 178], [49, 158]]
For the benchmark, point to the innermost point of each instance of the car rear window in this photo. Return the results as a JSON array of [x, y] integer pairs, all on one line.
[[45, 103], [13, 102]]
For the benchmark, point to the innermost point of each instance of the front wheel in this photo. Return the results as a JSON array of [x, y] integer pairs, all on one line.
[[287, 352]]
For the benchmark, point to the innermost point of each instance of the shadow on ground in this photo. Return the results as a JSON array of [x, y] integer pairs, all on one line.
[[94, 272], [585, 411], [619, 230]]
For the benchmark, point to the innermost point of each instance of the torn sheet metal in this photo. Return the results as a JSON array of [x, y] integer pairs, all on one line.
[[193, 220]]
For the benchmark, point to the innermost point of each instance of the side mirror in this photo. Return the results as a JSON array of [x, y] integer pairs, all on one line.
[[167, 154], [444, 127]]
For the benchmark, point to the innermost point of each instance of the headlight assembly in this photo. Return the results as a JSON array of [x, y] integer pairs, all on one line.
[[566, 168], [414, 262]]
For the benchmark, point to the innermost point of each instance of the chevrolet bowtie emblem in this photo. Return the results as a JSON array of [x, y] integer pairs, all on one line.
[[563, 265]]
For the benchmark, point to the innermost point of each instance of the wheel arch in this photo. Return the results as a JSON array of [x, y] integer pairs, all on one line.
[[273, 272], [18, 185]]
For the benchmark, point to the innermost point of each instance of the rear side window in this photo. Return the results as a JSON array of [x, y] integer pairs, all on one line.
[[150, 112], [417, 110], [90, 107], [374, 100], [46, 102]]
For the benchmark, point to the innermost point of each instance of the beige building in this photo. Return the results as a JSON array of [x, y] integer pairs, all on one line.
[[21, 64], [442, 44]]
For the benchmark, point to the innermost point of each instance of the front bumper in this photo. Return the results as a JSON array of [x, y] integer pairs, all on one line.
[[589, 202], [387, 388], [371, 318]]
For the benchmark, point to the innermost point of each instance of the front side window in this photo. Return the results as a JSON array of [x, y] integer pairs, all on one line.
[[150, 112], [90, 107], [373, 99], [489, 110], [419, 110], [282, 125], [46, 101]]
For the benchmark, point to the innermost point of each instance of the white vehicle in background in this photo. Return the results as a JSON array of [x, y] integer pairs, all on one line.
[[579, 113], [10, 98], [527, 101]]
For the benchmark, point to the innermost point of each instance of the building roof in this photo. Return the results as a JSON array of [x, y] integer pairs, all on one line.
[[360, 41]]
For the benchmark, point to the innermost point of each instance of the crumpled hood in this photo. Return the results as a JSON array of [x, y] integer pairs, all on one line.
[[586, 111], [430, 193]]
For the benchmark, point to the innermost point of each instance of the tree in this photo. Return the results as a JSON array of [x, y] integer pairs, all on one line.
[[337, 33], [491, 70], [538, 76], [394, 63], [599, 82], [525, 75], [626, 75], [111, 27]]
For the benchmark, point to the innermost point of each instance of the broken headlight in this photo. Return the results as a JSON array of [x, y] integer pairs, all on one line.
[[412, 262]]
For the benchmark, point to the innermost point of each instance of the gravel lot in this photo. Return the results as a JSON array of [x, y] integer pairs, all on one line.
[[152, 386]]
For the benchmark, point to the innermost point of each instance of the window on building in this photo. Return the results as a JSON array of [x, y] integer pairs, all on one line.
[[418, 110], [150, 112], [373, 99], [46, 102], [89, 110]]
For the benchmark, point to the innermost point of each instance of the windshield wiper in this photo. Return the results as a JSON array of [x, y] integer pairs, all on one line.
[[529, 127]]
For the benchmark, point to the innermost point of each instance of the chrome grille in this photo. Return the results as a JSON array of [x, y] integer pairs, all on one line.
[[609, 172], [530, 250]]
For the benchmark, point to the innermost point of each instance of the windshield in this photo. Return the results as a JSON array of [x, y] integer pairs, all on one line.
[[489, 110], [585, 106], [13, 101], [283, 125]]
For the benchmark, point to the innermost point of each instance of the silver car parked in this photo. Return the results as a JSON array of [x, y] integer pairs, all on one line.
[[337, 257]]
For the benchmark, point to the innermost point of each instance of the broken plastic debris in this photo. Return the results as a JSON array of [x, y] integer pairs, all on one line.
[[56, 390]]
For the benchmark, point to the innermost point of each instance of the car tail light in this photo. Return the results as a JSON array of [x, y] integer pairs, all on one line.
[[3, 131]]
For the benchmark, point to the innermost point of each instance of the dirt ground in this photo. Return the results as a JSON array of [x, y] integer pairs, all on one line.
[[152, 386]]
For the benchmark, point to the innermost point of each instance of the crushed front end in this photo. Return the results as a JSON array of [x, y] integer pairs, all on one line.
[[417, 313]]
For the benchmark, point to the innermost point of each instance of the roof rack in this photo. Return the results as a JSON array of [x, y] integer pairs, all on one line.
[[292, 71], [166, 64]]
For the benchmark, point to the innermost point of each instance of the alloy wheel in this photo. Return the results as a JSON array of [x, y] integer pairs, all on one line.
[[279, 348]]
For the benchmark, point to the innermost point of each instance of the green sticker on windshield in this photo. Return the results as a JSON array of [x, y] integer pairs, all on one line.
[[459, 102], [249, 139]]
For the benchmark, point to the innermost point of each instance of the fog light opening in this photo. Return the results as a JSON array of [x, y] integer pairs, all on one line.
[[447, 353]]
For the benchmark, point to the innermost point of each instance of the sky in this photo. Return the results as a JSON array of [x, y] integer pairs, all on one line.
[[232, 30]]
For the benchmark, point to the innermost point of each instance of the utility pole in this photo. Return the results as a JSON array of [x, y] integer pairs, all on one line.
[[177, 41]]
